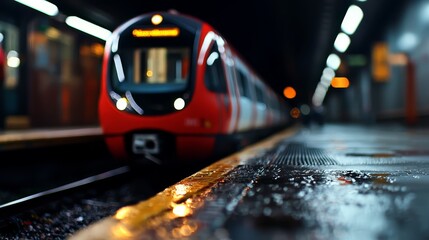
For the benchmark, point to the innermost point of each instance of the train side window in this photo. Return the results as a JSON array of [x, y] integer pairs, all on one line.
[[259, 94], [240, 82], [215, 74], [243, 82]]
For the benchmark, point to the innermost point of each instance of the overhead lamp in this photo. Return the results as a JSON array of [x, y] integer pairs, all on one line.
[[327, 76], [342, 42], [328, 73], [352, 19], [88, 27], [41, 6], [408, 41], [333, 61], [319, 95]]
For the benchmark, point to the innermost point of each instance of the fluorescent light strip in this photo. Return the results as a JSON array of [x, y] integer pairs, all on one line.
[[352, 19], [88, 27], [41, 6], [342, 42], [333, 61]]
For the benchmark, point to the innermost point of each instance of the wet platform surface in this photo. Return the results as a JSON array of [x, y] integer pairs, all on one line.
[[334, 182]]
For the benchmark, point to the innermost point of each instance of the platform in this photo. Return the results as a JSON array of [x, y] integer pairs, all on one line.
[[333, 182], [40, 137]]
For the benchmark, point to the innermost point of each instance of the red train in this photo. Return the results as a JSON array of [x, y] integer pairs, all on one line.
[[173, 90]]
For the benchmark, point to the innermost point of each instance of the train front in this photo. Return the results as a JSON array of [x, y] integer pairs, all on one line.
[[148, 107]]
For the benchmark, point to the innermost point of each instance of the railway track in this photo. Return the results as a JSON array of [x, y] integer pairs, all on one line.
[[32, 201], [61, 211]]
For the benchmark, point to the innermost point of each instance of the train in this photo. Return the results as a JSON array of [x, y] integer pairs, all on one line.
[[174, 91]]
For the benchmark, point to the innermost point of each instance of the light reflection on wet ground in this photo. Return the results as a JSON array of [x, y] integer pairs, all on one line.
[[336, 182], [378, 189]]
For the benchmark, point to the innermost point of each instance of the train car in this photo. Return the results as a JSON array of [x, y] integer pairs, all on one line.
[[174, 91]]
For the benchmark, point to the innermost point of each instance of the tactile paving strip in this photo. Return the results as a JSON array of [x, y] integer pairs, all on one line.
[[296, 154]]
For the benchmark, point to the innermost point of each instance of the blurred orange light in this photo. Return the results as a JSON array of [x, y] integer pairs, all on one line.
[[182, 210], [295, 112], [340, 82], [97, 49], [380, 62], [398, 59], [289, 92]]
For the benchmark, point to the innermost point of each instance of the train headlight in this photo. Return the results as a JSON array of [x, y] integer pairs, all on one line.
[[121, 104], [156, 19], [179, 104]]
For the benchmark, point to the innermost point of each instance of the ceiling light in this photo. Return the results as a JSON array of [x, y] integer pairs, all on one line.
[[333, 61], [88, 27], [342, 42], [41, 5], [408, 41], [352, 19]]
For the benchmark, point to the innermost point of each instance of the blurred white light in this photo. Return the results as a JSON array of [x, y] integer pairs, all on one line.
[[319, 95], [333, 61], [115, 44], [1, 37], [328, 73], [327, 76], [206, 44], [342, 42], [213, 56], [407, 41], [121, 104], [179, 104], [119, 68], [352, 19], [88, 27], [133, 104], [424, 13], [13, 60], [114, 95], [41, 6]]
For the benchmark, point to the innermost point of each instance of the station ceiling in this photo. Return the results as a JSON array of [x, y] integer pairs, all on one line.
[[286, 41]]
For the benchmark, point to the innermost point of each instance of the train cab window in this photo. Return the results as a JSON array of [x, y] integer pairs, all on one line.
[[215, 74], [156, 69]]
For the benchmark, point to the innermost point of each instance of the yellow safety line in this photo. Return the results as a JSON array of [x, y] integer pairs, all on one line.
[[175, 201]]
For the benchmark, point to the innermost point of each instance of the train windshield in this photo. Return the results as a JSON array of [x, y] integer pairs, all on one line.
[[151, 70]]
